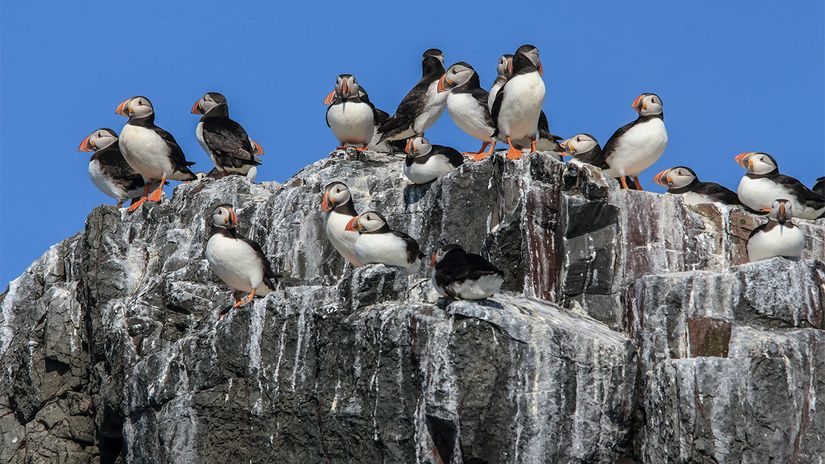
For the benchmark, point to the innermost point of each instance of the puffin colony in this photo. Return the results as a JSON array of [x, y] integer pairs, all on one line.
[[136, 164]]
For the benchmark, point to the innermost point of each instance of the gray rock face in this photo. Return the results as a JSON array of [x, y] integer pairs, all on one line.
[[629, 331]]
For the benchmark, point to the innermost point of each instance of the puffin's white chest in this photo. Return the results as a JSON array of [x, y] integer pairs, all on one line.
[[518, 116], [691, 198], [146, 152], [779, 241], [342, 239], [202, 142], [638, 148], [387, 249], [105, 183], [435, 167], [472, 289], [434, 104], [760, 193], [468, 114], [235, 262], [351, 122]]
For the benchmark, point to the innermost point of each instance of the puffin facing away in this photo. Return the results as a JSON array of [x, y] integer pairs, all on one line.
[[518, 104], [350, 114], [378, 244], [238, 261], [337, 203], [763, 183], [422, 106], [108, 170], [779, 237], [819, 187], [467, 105], [681, 180], [502, 74], [150, 150], [636, 146], [224, 140], [464, 276], [426, 162]]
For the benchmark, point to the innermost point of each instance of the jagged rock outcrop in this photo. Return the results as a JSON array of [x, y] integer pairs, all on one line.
[[629, 331]]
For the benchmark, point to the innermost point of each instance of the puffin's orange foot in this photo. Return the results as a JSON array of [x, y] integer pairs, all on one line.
[[514, 153], [481, 156], [155, 196], [638, 183], [624, 183], [136, 205], [362, 148]]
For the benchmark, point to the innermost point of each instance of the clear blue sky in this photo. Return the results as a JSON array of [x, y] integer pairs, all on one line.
[[734, 76]]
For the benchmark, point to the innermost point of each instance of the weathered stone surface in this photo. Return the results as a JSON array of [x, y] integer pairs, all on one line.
[[618, 308]]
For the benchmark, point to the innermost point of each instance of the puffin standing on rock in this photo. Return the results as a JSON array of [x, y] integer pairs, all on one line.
[[763, 183], [779, 237], [350, 114], [337, 203], [681, 180], [467, 105], [517, 106], [378, 244], [422, 106], [636, 146], [502, 73], [464, 276], [150, 150], [425, 162], [238, 261], [224, 140], [108, 170]]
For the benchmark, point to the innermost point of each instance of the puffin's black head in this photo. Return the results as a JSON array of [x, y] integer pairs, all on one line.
[[781, 211], [434, 52], [532, 54], [367, 223], [224, 217], [504, 65], [648, 104], [579, 143], [439, 255], [208, 102], [675, 177], [336, 193], [135, 107], [100, 138], [757, 162], [458, 74]]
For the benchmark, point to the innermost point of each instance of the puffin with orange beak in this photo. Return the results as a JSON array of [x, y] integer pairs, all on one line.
[[378, 244], [239, 262], [763, 183], [338, 205], [426, 162], [423, 104], [778, 237], [464, 276], [518, 104], [636, 146], [467, 105], [350, 114], [682, 180], [225, 141], [108, 170], [150, 150]]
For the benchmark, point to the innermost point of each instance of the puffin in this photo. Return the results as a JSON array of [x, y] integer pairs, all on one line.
[[426, 162], [502, 74], [763, 183], [467, 105], [150, 150], [108, 170], [239, 262], [464, 276], [378, 244], [682, 180], [585, 149], [252, 174], [339, 209], [350, 114], [422, 105], [819, 186], [778, 237], [224, 140], [636, 146], [517, 106]]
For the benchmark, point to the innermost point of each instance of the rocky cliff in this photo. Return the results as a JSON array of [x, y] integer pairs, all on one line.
[[630, 331]]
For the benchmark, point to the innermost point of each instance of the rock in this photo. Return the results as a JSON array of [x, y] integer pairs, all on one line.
[[629, 330]]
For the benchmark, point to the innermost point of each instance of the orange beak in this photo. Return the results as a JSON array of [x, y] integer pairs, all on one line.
[[565, 145], [408, 147], [258, 148], [662, 178], [196, 109], [84, 145], [327, 204], [765, 210], [635, 105], [234, 217], [121, 108], [432, 260], [328, 99], [541, 69], [741, 158], [442, 84], [510, 67], [782, 214], [350, 225], [344, 88]]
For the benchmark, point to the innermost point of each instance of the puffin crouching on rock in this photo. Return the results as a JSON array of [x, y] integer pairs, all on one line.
[[108, 170], [378, 244], [779, 237], [763, 183], [681, 180], [464, 276], [337, 203], [425, 162]]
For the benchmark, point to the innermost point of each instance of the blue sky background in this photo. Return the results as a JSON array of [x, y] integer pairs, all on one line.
[[734, 76]]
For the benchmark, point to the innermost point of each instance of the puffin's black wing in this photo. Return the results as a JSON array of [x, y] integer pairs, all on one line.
[[460, 266], [805, 195], [497, 105], [613, 141], [113, 165], [409, 108], [718, 192], [413, 251], [228, 142], [269, 275], [175, 151], [379, 116], [453, 156]]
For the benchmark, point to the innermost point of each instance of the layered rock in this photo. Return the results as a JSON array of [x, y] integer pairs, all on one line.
[[627, 330]]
